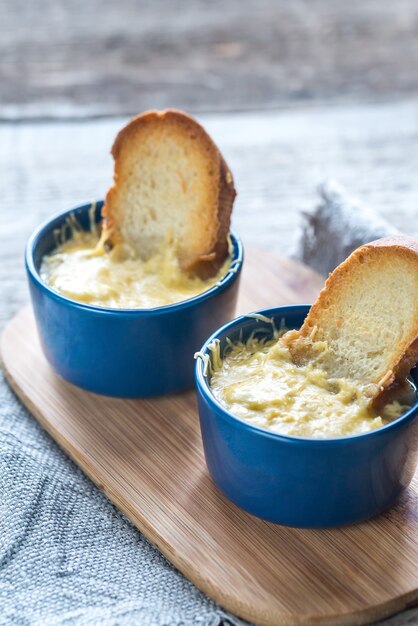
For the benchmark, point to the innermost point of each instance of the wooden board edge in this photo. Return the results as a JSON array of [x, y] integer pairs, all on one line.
[[244, 611]]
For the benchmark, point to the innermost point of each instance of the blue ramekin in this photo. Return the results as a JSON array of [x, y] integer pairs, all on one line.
[[296, 481], [124, 352]]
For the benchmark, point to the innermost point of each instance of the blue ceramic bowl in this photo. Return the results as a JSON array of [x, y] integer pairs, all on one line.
[[124, 352], [297, 481]]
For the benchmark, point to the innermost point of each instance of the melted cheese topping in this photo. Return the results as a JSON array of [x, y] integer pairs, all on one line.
[[84, 270], [258, 382]]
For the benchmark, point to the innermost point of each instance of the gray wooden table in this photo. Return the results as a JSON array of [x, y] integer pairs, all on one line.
[[70, 57], [277, 159]]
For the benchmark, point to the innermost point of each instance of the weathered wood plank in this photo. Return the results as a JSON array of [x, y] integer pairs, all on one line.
[[68, 57]]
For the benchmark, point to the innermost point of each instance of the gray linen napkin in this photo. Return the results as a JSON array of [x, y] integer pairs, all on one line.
[[67, 555], [338, 225]]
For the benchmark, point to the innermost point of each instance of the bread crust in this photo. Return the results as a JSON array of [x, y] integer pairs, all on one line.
[[214, 249], [401, 361]]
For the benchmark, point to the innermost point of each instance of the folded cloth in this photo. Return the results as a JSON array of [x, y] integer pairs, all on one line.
[[337, 226], [68, 557]]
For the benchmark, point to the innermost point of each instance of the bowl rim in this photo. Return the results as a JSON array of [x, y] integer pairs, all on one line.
[[204, 389], [48, 224]]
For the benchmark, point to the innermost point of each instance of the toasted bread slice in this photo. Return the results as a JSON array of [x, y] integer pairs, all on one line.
[[170, 180], [364, 324]]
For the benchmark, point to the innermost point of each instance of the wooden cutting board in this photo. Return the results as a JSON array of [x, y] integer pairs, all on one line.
[[146, 455]]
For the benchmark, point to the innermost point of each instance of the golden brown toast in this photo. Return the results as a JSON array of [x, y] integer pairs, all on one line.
[[170, 180], [364, 324]]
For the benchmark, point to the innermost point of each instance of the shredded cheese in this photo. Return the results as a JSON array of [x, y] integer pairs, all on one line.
[[83, 268], [258, 381]]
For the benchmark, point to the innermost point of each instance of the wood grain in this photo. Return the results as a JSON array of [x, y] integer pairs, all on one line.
[[146, 455], [68, 57]]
